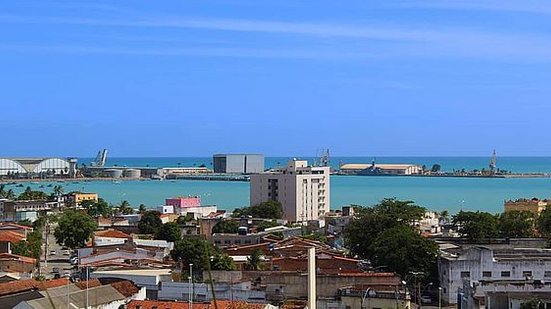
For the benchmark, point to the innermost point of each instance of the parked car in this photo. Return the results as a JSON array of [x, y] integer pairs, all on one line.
[[426, 299], [55, 270], [66, 252], [52, 252]]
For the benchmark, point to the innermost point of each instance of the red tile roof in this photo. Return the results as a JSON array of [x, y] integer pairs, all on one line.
[[19, 226], [151, 304], [125, 287], [91, 284], [24, 259], [111, 233], [11, 236], [30, 284]]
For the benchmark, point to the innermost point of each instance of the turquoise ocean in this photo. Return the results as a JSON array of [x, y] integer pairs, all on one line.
[[451, 194]]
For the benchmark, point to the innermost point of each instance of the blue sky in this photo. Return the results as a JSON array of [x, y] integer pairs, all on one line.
[[285, 77]]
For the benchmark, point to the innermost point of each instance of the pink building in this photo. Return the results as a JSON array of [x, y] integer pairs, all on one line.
[[183, 202]]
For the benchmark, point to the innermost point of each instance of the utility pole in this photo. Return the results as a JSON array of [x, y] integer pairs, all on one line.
[[87, 279], [312, 278], [190, 287]]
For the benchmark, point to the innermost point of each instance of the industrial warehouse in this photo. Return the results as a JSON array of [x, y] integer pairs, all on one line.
[[37, 167]]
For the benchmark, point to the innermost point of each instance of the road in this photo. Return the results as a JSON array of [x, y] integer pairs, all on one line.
[[58, 260]]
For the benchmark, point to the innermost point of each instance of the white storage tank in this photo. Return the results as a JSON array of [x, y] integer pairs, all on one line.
[[132, 173], [113, 173]]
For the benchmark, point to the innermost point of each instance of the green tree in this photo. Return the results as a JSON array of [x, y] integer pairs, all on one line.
[[262, 226], [3, 191], [403, 250], [25, 222], [169, 231], [515, 224], [369, 222], [254, 261], [436, 168], [200, 253], [384, 230], [31, 247], [125, 208], [58, 191], [150, 222], [29, 194], [142, 209], [476, 226], [97, 208], [74, 229], [226, 226], [266, 210], [185, 219], [544, 222], [10, 195], [533, 303]]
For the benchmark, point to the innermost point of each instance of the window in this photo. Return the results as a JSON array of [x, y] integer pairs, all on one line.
[[486, 274], [465, 274], [547, 274], [527, 273], [505, 274]]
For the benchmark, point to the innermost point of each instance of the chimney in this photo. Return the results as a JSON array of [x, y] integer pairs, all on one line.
[[312, 278]]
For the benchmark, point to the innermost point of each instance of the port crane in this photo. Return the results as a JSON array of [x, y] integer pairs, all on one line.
[[100, 159]]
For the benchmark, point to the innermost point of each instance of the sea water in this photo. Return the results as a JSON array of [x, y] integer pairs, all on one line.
[[437, 193]]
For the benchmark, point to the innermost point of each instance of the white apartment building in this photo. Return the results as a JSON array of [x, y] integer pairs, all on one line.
[[479, 264], [302, 190]]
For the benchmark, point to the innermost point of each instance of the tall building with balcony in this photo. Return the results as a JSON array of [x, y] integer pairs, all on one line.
[[302, 190]]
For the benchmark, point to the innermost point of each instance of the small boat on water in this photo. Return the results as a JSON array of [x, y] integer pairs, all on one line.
[[49, 185], [20, 185], [117, 181]]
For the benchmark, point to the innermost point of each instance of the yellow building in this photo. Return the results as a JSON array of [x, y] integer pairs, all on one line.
[[535, 206], [76, 198]]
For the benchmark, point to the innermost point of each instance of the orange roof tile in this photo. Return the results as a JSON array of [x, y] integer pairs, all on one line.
[[91, 283], [111, 233], [24, 259], [23, 227], [125, 287], [30, 284], [11, 236]]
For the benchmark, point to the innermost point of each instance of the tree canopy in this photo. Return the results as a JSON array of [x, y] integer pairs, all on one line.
[[30, 194], [150, 222], [266, 210], [74, 229], [476, 225], [544, 222], [199, 252], [226, 226], [386, 235], [97, 208], [31, 247], [169, 231], [254, 261], [124, 208], [403, 250], [515, 224]]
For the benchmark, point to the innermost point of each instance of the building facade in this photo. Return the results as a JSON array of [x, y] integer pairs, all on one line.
[[481, 264], [302, 190], [238, 163]]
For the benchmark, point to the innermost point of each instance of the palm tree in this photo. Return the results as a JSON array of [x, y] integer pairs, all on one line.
[[10, 195], [2, 191], [58, 190], [125, 208], [254, 261], [142, 209]]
